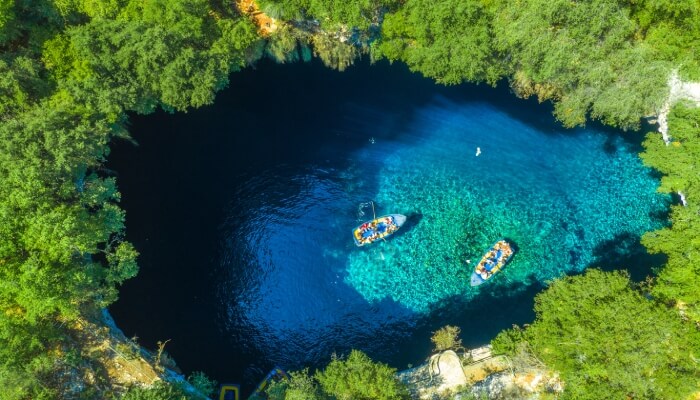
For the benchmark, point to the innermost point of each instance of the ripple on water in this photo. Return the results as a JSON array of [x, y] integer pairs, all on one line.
[[557, 195], [299, 288]]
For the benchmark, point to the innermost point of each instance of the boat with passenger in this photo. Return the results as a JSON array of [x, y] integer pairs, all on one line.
[[492, 262], [378, 229]]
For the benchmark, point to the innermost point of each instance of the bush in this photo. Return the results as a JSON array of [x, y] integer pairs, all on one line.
[[360, 378], [159, 391], [447, 338], [202, 383]]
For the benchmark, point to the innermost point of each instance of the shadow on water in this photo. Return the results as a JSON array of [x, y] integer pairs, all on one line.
[[480, 319], [186, 176], [626, 252], [513, 245], [632, 139], [412, 220]]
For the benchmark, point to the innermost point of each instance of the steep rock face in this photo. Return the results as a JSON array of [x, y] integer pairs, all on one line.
[[123, 360], [110, 362]]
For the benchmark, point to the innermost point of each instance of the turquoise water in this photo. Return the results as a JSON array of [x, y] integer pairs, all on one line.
[[558, 195], [243, 216]]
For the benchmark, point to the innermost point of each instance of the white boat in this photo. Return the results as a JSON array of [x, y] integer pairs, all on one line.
[[377, 229], [492, 262]]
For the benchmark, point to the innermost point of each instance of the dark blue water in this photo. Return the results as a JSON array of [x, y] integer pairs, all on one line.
[[243, 210]]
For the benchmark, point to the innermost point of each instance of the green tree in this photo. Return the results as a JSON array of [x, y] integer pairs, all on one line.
[[159, 391], [299, 386], [359, 378], [202, 383], [450, 41], [608, 341], [7, 17], [331, 14], [678, 281], [21, 83], [173, 54], [69, 70], [583, 55], [447, 338], [672, 28]]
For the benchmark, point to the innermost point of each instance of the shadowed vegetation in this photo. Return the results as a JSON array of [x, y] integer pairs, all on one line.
[[71, 70]]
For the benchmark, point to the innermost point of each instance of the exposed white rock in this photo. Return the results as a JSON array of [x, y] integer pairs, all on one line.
[[679, 90]]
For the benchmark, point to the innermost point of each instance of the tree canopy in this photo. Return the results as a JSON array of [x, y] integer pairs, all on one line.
[[586, 56], [71, 70], [450, 41], [355, 377], [609, 341], [678, 281]]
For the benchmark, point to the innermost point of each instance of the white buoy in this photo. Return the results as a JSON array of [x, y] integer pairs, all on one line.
[[478, 151]]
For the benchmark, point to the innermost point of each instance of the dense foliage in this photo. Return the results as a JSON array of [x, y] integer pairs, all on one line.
[[200, 388], [356, 377], [679, 280], [608, 341], [605, 59], [71, 70], [330, 14], [450, 41]]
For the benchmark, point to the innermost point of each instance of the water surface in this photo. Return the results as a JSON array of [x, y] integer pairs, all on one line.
[[243, 214]]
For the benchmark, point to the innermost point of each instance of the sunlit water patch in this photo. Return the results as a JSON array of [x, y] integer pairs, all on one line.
[[242, 213], [559, 196], [293, 247]]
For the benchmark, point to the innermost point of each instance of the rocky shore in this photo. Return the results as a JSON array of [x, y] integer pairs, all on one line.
[[476, 372]]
